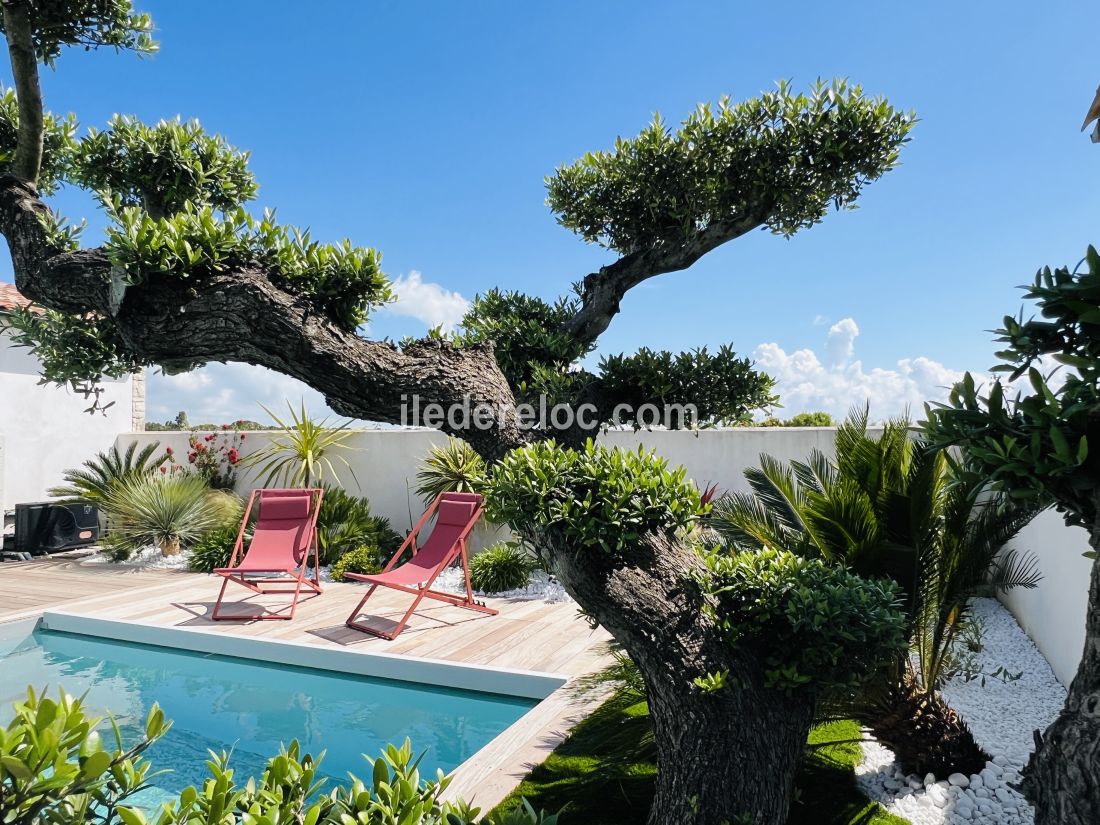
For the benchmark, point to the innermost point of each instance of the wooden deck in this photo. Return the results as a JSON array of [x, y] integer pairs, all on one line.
[[528, 635]]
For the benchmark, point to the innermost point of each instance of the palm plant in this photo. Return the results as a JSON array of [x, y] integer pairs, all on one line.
[[454, 467], [892, 506], [168, 511], [345, 523], [302, 454], [92, 481]]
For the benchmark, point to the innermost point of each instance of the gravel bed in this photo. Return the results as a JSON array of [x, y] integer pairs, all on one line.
[[1001, 714]]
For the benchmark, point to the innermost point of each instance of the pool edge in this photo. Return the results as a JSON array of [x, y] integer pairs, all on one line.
[[401, 667]]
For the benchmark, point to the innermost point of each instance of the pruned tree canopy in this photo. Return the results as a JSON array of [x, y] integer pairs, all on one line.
[[188, 275]]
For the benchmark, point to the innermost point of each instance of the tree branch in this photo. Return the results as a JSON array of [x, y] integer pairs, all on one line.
[[24, 64], [603, 291], [244, 316]]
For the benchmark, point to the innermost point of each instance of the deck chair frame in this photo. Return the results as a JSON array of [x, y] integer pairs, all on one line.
[[273, 585], [467, 602]]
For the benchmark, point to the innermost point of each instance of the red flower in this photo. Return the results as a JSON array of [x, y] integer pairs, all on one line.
[[233, 456], [242, 436], [209, 437], [225, 426], [169, 450], [164, 469], [192, 456]]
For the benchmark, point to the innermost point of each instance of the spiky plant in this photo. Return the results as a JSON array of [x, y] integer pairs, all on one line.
[[504, 566], [168, 510], [346, 523], [302, 451], [93, 480], [454, 467], [892, 506]]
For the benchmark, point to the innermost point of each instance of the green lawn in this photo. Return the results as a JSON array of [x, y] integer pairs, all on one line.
[[603, 774]]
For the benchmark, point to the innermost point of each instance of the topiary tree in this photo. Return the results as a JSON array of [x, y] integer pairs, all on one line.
[[186, 276], [1039, 445]]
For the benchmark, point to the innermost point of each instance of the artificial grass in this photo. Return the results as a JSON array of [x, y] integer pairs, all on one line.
[[603, 774]]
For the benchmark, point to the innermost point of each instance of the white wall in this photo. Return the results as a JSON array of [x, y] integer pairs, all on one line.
[[1053, 614], [44, 428], [386, 461]]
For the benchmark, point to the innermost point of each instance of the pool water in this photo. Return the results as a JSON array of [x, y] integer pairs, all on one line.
[[251, 707]]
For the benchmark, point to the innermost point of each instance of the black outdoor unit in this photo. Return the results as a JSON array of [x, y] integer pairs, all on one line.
[[47, 527]]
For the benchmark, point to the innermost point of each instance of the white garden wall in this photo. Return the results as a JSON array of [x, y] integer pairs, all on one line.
[[385, 463], [45, 429]]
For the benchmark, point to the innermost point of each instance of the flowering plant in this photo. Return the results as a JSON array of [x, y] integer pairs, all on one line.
[[213, 455]]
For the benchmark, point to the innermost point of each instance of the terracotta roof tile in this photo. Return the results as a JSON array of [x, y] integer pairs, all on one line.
[[10, 297]]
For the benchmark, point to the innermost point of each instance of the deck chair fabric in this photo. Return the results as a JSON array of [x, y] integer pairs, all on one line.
[[278, 557], [455, 516]]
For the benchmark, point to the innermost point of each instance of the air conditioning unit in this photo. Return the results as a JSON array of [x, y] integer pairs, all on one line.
[[49, 527]]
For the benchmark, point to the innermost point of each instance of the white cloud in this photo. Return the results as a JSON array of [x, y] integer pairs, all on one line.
[[222, 393], [805, 383], [427, 302], [840, 342]]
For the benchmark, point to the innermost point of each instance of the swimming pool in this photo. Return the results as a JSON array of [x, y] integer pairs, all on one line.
[[219, 702]]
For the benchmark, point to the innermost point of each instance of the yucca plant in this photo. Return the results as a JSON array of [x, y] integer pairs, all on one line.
[[454, 467], [169, 511], [302, 454], [892, 506], [92, 481]]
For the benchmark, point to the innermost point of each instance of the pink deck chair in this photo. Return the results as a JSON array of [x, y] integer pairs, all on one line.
[[284, 542], [456, 514]]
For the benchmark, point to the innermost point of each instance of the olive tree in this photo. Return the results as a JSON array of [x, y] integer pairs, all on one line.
[[1039, 444], [187, 275]]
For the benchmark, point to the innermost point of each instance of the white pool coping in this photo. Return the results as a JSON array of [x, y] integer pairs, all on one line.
[[526, 684]]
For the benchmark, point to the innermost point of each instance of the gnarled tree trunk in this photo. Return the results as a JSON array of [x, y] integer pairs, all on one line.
[[724, 757], [1062, 778]]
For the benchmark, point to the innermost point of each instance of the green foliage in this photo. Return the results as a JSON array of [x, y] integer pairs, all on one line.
[[888, 506], [164, 167], [779, 158], [454, 467], [345, 523], [302, 453], [55, 769], [526, 332], [806, 419], [162, 509], [342, 281], [813, 626], [58, 141], [88, 24], [594, 498], [1034, 445], [213, 550], [363, 559], [504, 566], [722, 388], [75, 351], [94, 479]]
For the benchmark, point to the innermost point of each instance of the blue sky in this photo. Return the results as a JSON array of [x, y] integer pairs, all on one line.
[[425, 130]]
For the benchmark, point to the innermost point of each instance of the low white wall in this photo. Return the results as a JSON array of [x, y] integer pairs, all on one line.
[[1053, 613], [45, 428], [386, 462]]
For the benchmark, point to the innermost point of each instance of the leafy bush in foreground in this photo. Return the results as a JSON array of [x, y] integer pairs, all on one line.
[[363, 559], [54, 769]]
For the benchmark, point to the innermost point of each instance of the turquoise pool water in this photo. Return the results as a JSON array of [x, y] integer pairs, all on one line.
[[223, 703]]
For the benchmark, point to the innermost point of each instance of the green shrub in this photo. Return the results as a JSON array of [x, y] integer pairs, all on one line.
[[345, 523], [453, 468], [811, 625], [598, 498], [504, 566], [214, 549], [363, 559], [54, 768], [167, 509], [93, 480]]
